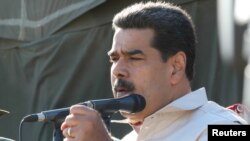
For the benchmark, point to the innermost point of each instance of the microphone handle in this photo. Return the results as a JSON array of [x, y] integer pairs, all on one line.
[[59, 114], [52, 115]]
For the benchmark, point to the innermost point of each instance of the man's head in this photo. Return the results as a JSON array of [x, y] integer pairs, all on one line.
[[173, 29], [153, 54]]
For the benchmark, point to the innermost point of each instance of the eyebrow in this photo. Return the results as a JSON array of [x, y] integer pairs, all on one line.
[[134, 52], [130, 52]]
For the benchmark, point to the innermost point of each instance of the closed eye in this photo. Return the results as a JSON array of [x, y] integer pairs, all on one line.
[[113, 59], [135, 58]]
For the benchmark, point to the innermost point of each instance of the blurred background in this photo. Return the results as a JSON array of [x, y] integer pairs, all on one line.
[[54, 54]]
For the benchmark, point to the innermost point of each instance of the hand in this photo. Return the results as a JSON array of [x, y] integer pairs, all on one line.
[[84, 124]]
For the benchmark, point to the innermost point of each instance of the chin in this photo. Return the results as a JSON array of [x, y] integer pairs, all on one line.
[[135, 122]]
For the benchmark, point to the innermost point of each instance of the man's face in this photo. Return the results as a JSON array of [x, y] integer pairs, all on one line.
[[138, 68]]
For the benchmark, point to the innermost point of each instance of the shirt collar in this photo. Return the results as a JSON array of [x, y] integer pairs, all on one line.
[[190, 101]]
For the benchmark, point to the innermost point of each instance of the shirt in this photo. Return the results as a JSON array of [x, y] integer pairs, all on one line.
[[185, 119]]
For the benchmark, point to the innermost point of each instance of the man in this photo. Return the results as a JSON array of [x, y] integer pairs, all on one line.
[[153, 54]]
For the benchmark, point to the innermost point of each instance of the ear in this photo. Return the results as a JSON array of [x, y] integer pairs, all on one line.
[[178, 62]]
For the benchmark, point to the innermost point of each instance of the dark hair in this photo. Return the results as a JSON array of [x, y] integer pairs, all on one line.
[[173, 28]]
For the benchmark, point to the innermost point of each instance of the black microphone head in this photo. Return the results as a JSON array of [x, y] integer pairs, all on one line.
[[140, 103], [132, 103]]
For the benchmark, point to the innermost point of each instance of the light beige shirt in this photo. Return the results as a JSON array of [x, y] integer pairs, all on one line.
[[185, 119]]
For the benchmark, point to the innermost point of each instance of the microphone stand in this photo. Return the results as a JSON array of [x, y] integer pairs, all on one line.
[[106, 116], [57, 133]]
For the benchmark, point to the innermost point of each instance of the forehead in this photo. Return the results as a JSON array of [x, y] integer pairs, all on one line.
[[132, 39]]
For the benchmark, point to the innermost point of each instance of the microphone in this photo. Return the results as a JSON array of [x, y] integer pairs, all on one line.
[[132, 103]]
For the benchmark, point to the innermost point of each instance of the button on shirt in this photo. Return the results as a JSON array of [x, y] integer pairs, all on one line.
[[185, 119]]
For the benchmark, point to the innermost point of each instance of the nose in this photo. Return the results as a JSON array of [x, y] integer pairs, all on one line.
[[119, 69]]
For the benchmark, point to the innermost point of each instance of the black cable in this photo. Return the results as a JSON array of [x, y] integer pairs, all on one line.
[[20, 130]]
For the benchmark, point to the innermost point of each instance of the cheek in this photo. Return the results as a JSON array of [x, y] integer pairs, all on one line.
[[154, 85], [145, 83], [154, 79], [112, 78]]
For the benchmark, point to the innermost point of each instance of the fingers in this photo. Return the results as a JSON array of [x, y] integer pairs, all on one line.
[[81, 109], [77, 117], [75, 112], [79, 113], [68, 133], [63, 126], [82, 124]]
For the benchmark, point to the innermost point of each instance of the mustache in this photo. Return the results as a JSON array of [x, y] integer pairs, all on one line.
[[121, 83]]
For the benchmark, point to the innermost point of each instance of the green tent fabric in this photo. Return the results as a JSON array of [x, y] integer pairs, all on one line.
[[29, 20], [67, 63], [56, 72]]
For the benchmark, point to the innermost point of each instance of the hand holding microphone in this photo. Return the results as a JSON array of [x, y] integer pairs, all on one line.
[[84, 123]]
